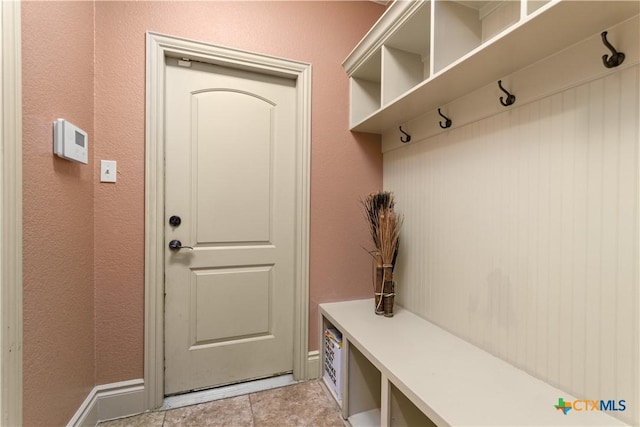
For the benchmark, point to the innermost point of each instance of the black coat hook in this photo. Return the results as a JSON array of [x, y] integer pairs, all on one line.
[[447, 123], [510, 97], [408, 137], [616, 58]]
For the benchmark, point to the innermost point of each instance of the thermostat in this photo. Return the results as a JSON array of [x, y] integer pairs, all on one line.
[[70, 142]]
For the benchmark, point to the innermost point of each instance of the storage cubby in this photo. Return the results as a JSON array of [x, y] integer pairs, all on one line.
[[332, 363], [533, 5], [365, 88], [401, 71], [496, 16], [403, 413], [364, 391], [406, 56], [460, 27]]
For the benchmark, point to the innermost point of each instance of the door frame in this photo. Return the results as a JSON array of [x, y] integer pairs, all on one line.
[[160, 46], [10, 214]]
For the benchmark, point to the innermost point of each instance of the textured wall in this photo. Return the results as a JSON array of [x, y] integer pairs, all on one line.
[[65, 207], [57, 76], [344, 167]]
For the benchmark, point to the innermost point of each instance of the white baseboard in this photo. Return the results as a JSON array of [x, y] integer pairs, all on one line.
[[313, 365], [109, 401], [121, 399]]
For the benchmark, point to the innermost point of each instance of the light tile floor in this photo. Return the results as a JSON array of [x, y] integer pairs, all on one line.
[[303, 404]]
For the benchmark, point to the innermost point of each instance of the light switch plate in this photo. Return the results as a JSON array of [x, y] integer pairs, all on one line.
[[108, 171]]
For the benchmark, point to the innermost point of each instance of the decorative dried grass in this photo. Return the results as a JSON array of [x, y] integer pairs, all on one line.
[[384, 227], [384, 224]]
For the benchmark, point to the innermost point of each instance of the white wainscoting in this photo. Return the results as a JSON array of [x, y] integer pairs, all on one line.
[[521, 235]]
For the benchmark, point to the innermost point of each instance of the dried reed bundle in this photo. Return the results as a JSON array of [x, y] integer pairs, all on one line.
[[384, 227], [388, 235], [384, 224]]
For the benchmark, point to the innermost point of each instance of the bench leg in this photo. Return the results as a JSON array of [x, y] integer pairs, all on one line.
[[344, 366], [385, 414]]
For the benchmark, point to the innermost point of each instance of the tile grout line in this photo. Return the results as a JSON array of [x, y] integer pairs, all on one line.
[[253, 418]]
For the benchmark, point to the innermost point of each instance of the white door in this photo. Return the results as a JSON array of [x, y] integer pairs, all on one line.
[[230, 178]]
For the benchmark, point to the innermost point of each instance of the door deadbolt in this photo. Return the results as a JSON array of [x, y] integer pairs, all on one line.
[[175, 221]]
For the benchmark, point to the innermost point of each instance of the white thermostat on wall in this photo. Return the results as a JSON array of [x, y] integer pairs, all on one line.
[[70, 142]]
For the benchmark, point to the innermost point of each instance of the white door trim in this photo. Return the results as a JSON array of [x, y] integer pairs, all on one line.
[[158, 47], [10, 215]]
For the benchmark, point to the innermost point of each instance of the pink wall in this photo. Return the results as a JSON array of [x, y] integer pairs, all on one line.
[[344, 167], [84, 320], [57, 75]]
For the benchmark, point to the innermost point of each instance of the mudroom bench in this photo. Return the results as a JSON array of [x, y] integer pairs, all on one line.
[[405, 371]]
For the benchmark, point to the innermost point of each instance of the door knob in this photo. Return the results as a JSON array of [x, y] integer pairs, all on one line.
[[176, 245], [175, 220]]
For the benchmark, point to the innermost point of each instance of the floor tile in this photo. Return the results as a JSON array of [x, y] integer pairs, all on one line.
[[304, 404], [235, 411], [147, 419]]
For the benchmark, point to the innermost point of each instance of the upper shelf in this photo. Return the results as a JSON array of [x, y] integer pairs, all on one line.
[[391, 84]]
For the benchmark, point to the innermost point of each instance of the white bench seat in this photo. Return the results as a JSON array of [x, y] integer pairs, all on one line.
[[449, 380]]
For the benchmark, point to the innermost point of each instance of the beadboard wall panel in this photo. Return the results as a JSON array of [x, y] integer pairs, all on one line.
[[521, 235]]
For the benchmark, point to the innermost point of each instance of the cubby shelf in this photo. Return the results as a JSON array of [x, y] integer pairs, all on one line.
[[456, 48]]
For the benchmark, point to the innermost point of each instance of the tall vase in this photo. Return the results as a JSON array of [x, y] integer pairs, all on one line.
[[378, 286], [388, 290]]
